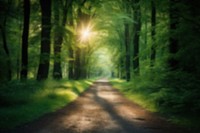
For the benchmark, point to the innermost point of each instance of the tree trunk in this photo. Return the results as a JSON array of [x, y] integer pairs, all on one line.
[[24, 55], [83, 64], [146, 27], [153, 33], [45, 40], [70, 48], [71, 63], [57, 71], [77, 64], [83, 19], [122, 67], [173, 41], [127, 47], [5, 46], [58, 39], [137, 27]]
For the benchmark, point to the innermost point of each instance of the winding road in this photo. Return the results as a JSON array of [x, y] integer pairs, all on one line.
[[101, 109]]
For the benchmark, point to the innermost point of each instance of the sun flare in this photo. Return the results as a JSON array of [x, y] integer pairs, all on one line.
[[85, 34]]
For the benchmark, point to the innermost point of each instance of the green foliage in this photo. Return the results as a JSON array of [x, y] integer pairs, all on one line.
[[157, 88], [173, 94], [181, 93], [22, 102]]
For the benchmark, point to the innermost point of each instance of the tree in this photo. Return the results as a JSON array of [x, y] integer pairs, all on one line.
[[127, 47], [71, 63], [4, 38], [24, 55], [153, 33], [83, 19], [70, 47], [173, 41], [59, 31], [77, 64], [136, 31], [45, 40]]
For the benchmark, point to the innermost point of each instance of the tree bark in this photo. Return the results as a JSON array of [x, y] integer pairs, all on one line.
[[71, 63], [137, 27], [45, 40], [77, 64], [153, 33], [173, 41], [127, 47], [58, 39], [83, 19], [24, 55], [5, 47]]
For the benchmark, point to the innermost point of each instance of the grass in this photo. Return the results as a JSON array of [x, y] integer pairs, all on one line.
[[130, 91], [22, 102], [178, 106]]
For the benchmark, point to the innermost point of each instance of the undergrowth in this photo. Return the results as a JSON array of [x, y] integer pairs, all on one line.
[[174, 95], [22, 102]]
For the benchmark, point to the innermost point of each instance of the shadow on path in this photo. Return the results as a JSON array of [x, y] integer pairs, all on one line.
[[101, 109], [126, 125]]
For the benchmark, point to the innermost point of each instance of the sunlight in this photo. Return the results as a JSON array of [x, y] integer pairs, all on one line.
[[103, 62], [85, 34]]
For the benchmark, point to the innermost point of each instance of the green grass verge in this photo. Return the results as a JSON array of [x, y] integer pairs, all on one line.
[[139, 97], [161, 100], [22, 102]]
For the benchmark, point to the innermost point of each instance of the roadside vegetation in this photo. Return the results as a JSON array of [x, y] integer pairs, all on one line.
[[22, 102], [174, 98]]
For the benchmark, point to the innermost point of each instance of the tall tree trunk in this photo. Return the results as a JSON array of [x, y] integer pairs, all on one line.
[[146, 26], [127, 47], [83, 63], [45, 40], [173, 41], [83, 19], [71, 63], [58, 39], [122, 68], [8, 60], [153, 33], [24, 55], [77, 64], [121, 65], [137, 27], [5, 47]]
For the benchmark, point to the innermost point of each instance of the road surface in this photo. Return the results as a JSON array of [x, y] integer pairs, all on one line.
[[101, 109]]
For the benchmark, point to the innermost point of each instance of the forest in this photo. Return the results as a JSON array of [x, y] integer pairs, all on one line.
[[148, 49]]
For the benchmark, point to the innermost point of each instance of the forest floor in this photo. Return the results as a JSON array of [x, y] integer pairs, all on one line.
[[101, 109]]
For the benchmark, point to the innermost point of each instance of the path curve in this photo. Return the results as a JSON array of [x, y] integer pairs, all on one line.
[[101, 109]]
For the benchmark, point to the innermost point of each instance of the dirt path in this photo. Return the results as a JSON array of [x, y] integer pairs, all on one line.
[[101, 109]]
